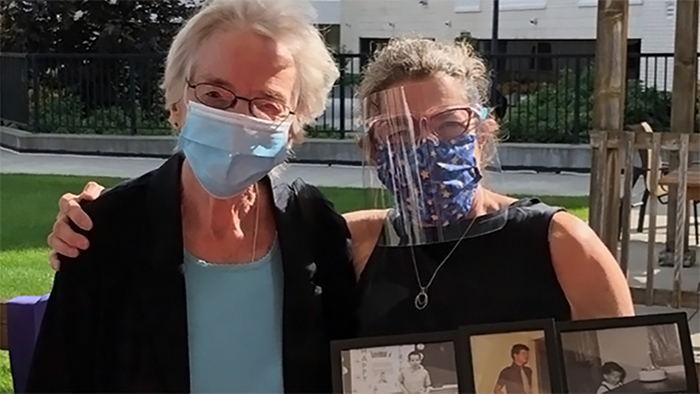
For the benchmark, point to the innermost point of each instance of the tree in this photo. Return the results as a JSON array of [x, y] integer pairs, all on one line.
[[91, 26], [466, 37]]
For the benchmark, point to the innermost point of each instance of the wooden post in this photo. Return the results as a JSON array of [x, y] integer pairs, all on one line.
[[599, 142], [626, 207], [680, 219], [653, 200], [685, 74], [608, 111]]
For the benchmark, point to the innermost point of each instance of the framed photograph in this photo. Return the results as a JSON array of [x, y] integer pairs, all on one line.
[[511, 358], [644, 354], [414, 364]]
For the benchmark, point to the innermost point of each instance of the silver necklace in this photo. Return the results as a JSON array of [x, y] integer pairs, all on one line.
[[257, 220], [422, 299]]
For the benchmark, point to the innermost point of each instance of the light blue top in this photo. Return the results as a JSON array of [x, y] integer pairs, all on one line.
[[234, 314]]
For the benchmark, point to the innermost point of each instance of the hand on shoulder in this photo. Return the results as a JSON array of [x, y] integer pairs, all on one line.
[[63, 240]]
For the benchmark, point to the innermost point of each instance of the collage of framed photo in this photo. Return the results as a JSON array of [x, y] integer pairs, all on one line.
[[644, 354]]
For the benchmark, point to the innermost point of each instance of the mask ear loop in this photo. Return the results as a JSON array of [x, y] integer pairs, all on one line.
[[483, 114]]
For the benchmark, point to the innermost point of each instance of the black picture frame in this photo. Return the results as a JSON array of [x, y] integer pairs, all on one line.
[[677, 318], [337, 347], [551, 350]]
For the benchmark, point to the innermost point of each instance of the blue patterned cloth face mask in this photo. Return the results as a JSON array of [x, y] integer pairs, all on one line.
[[228, 152], [433, 182]]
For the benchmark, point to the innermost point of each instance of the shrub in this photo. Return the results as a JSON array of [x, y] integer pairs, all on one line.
[[561, 112], [61, 113], [322, 131]]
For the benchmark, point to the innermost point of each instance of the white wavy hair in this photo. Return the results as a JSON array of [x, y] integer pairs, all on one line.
[[289, 22]]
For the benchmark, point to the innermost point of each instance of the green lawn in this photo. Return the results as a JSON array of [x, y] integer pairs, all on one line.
[[28, 207]]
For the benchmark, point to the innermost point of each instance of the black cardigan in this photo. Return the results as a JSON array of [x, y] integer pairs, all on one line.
[[116, 320]]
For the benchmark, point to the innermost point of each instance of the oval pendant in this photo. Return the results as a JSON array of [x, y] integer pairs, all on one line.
[[421, 300]]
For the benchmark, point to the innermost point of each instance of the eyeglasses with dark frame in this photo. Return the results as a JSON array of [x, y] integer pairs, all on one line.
[[219, 97]]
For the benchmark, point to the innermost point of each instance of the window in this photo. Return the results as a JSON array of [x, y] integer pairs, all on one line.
[[541, 63], [506, 5], [498, 64], [467, 5], [331, 34]]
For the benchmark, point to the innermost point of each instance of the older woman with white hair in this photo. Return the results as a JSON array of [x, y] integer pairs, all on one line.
[[202, 274]]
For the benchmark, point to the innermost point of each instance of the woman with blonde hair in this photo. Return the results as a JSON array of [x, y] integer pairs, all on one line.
[[450, 252]]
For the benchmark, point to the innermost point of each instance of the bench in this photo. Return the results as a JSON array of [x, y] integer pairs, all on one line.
[[20, 319]]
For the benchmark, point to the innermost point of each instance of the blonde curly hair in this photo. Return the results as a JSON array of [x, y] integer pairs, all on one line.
[[407, 59], [414, 59]]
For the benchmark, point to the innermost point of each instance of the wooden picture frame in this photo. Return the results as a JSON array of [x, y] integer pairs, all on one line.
[[489, 360], [391, 355], [642, 354]]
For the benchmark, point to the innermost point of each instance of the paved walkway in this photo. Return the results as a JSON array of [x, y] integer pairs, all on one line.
[[527, 183]]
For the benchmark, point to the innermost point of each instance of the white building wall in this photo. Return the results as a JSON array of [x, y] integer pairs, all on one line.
[[651, 21], [328, 12]]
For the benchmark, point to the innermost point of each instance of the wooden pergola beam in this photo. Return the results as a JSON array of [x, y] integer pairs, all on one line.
[[685, 67], [608, 114]]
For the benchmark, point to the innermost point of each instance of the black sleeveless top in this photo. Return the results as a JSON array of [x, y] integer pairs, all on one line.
[[503, 274]]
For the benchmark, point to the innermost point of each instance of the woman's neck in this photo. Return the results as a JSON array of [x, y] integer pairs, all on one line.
[[214, 229], [486, 201], [218, 217]]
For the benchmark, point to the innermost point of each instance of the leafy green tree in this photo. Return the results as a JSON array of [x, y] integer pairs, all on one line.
[[91, 26]]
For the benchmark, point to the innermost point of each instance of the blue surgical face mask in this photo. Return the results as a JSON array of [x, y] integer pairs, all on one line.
[[229, 152]]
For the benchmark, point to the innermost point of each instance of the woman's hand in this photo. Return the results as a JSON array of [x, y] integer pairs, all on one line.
[[63, 240]]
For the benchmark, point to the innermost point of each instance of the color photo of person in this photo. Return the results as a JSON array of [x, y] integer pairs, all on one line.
[[517, 377], [510, 363]]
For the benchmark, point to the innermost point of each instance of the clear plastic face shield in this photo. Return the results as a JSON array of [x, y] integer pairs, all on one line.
[[421, 148]]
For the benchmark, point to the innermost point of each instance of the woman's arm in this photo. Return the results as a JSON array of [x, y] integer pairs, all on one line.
[[588, 273], [330, 240], [64, 353], [64, 240], [365, 227]]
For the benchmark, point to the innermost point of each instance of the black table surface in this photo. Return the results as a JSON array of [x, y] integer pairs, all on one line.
[[674, 383]]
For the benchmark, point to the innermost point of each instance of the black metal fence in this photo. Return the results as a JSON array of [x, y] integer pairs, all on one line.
[[543, 98]]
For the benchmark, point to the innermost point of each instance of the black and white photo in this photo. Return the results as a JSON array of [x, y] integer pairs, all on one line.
[[411, 367], [629, 355]]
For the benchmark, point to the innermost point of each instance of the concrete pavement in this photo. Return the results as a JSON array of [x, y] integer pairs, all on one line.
[[527, 183]]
